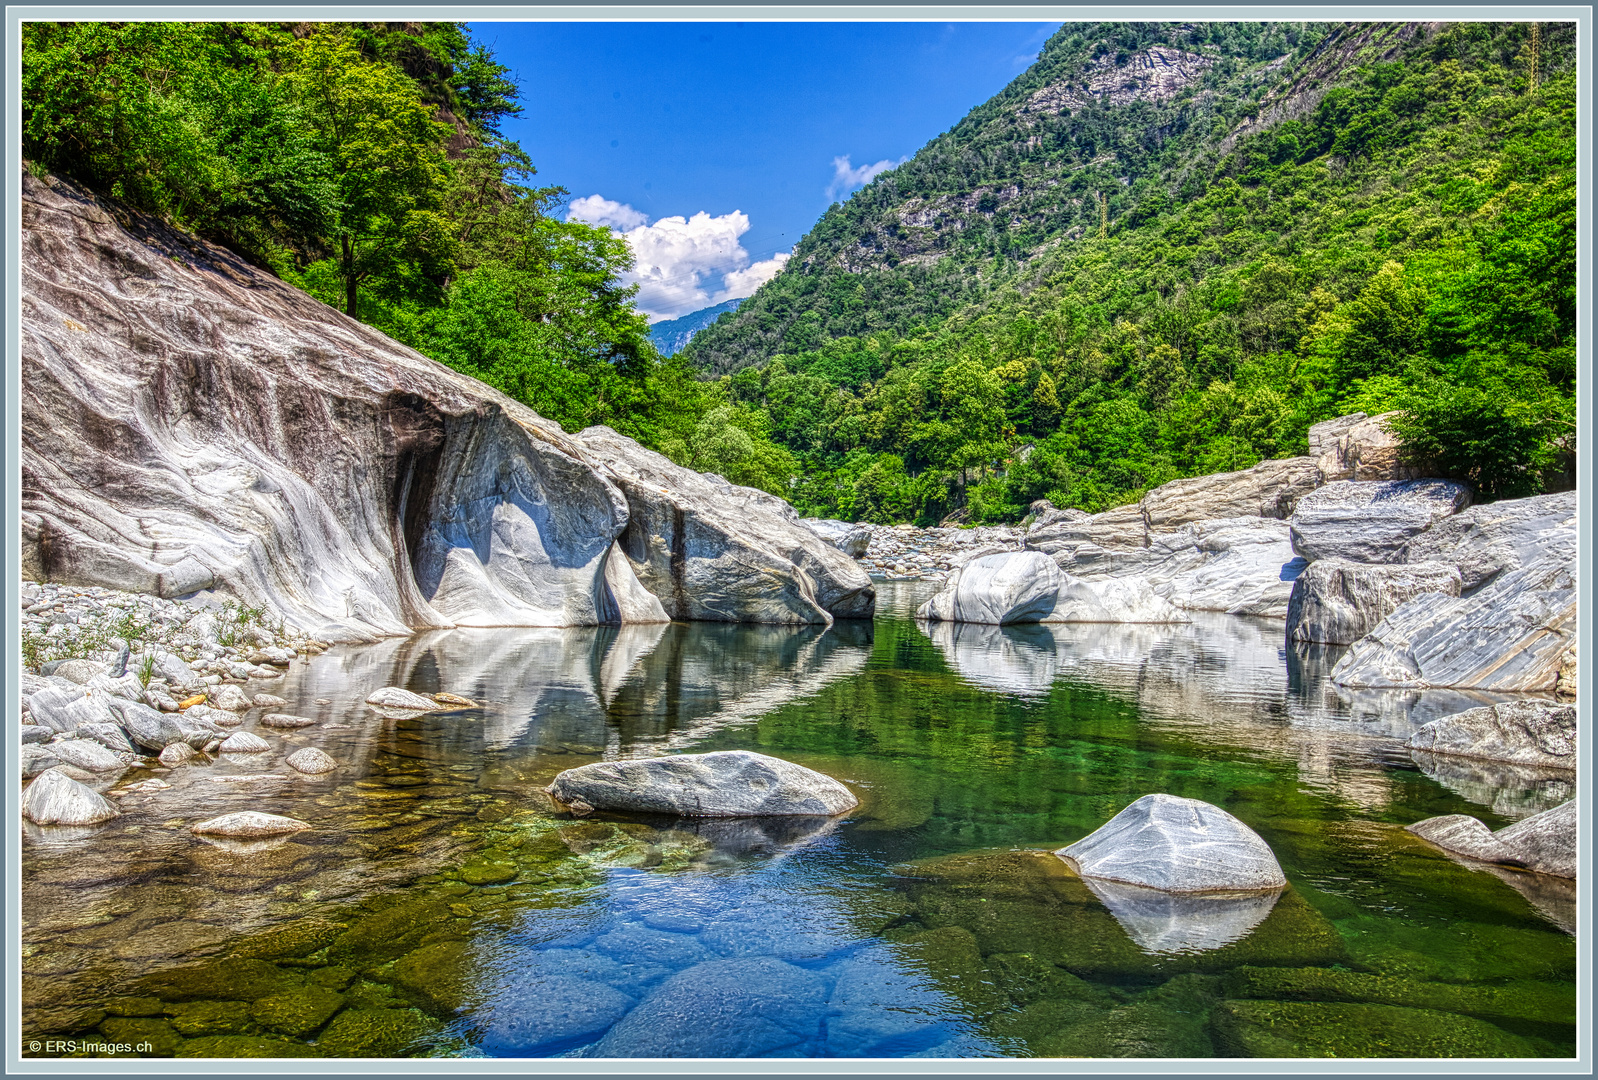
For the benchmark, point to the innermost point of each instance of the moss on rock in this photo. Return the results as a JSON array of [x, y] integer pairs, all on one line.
[[1538, 1002], [298, 1012], [231, 980], [1315, 1029], [162, 1039], [389, 933], [245, 1046], [196, 1019], [437, 977], [378, 1033], [301, 938]]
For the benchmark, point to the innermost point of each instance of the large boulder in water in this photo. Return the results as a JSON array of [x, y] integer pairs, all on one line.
[[726, 783], [1371, 522], [1528, 732], [1487, 540], [1339, 602], [715, 551], [1177, 845], [1114, 600], [1009, 587], [1544, 843], [1510, 636], [56, 799], [191, 422]]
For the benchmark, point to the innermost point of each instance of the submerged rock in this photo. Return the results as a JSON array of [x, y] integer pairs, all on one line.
[[1527, 732], [311, 761], [1371, 522], [1544, 843], [1319, 1029], [56, 799], [726, 783], [1339, 602], [1167, 922], [249, 824], [268, 701], [1012, 587], [1177, 845], [285, 721]]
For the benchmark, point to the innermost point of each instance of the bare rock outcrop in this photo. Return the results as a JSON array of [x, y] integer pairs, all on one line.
[[718, 552], [1009, 587], [1371, 522], [1528, 732], [1360, 447], [849, 537], [1271, 489], [1544, 843], [1486, 540], [1339, 602]]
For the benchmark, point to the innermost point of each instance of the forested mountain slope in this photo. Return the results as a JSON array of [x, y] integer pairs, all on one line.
[[1167, 249]]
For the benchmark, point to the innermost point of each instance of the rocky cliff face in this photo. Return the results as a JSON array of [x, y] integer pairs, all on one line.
[[191, 423]]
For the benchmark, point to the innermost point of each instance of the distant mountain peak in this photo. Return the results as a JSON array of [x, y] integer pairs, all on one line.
[[671, 335]]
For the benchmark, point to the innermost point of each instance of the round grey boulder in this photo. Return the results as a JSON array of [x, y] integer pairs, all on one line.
[[248, 824], [242, 742], [57, 799], [311, 761], [1177, 845], [230, 698], [284, 720], [726, 783], [395, 703], [1544, 843]]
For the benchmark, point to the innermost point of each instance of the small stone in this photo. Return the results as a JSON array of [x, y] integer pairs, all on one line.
[[242, 742], [57, 799], [249, 823], [268, 701], [230, 698], [456, 701], [311, 761], [1176, 845], [34, 733], [175, 755], [284, 720], [80, 671], [394, 703]]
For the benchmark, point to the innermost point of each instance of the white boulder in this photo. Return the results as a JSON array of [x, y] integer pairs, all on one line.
[[56, 799], [1010, 587], [1339, 602], [1177, 845], [1544, 843], [726, 783], [1527, 732], [249, 823], [1371, 522]]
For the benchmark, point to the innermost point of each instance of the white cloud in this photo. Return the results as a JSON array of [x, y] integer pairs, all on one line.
[[598, 210], [846, 179], [677, 260], [741, 283]]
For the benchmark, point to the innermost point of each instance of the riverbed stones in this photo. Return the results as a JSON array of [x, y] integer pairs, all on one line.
[[267, 701], [1317, 1029], [244, 742], [396, 703], [230, 698], [377, 1033], [285, 722], [62, 708], [87, 754], [54, 798], [1177, 845], [155, 731], [1338, 601], [296, 1012], [311, 761], [35, 733], [1371, 522], [249, 824], [176, 754], [81, 672], [550, 1013], [1527, 732], [1018, 586], [726, 783], [1544, 843]]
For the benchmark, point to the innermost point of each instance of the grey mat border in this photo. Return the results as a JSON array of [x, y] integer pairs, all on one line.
[[10, 455]]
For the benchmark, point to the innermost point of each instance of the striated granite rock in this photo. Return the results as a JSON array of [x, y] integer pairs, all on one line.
[[726, 783], [1360, 447], [714, 551], [1112, 600], [1339, 602], [849, 537], [1270, 489], [1486, 540], [1528, 732], [1508, 636], [1010, 587], [248, 824], [1545, 842], [1371, 522], [1177, 845], [56, 799], [1243, 566]]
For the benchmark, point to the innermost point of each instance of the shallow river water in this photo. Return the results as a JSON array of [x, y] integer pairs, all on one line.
[[441, 907]]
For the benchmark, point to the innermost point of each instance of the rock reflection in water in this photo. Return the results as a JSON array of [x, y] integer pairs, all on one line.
[[1512, 790], [1162, 922]]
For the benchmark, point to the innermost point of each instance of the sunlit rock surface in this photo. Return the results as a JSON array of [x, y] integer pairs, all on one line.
[[1371, 522], [723, 784], [1486, 540], [1339, 602], [851, 538], [1012, 587], [1176, 845], [1360, 447], [1544, 843], [1530, 732]]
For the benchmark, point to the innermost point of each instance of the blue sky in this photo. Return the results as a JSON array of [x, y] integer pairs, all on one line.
[[715, 146]]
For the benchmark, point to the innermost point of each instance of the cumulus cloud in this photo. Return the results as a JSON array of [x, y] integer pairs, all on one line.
[[846, 179], [677, 260]]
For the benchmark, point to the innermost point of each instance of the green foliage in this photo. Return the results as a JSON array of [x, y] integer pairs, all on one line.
[[1407, 243]]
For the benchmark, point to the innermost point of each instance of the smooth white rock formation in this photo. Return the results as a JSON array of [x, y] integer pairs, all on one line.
[[249, 823], [56, 799], [243, 742], [1544, 843], [36, 758], [155, 731], [1111, 600], [62, 709], [396, 703], [1177, 845], [311, 761], [726, 783], [285, 721], [1371, 522], [715, 551], [110, 736], [230, 698], [851, 538], [1509, 636], [1270, 489], [1528, 732], [1010, 587], [1339, 602], [1486, 540], [87, 754], [1243, 566], [79, 671]]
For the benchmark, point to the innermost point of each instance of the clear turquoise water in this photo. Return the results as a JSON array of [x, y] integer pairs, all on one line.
[[441, 906]]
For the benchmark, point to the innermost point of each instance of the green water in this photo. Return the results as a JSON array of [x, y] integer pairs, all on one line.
[[441, 907]]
